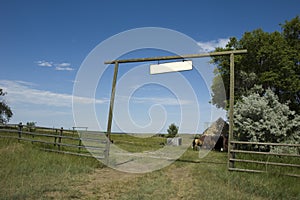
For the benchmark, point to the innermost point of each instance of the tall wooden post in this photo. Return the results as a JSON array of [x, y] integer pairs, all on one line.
[[20, 128], [111, 107], [60, 136], [231, 104]]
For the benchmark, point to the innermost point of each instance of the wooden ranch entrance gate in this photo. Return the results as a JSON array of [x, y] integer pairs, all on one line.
[[231, 103], [255, 155]]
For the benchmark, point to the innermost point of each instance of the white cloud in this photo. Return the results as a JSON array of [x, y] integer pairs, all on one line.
[[211, 45], [64, 68], [30, 84], [64, 64], [167, 101], [43, 63], [19, 92]]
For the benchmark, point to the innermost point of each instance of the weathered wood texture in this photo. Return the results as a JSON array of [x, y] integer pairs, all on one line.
[[222, 53]]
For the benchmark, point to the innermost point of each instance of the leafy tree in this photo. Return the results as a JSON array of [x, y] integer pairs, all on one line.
[[5, 111], [291, 31], [273, 61], [172, 130], [31, 126], [260, 117]]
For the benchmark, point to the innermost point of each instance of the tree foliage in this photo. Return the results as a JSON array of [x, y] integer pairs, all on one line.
[[273, 61], [172, 130], [31, 126], [5, 111], [260, 117]]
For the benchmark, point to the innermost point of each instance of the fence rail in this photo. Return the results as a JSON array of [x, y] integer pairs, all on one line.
[[265, 143], [58, 140], [257, 157]]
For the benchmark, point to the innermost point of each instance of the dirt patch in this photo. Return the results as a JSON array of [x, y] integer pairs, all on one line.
[[106, 183], [182, 179]]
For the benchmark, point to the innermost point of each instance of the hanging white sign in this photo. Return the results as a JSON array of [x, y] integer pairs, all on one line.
[[171, 67]]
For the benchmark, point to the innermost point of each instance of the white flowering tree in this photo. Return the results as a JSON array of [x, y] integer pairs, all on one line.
[[260, 117]]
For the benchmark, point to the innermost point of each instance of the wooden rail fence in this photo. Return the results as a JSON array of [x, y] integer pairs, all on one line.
[[257, 157], [89, 144]]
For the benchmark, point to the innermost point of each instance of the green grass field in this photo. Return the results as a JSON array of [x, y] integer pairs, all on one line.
[[29, 173]]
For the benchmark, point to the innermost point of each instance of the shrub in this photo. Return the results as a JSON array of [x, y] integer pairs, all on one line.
[[260, 117]]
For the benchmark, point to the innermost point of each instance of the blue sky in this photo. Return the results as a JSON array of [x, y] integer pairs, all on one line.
[[44, 43]]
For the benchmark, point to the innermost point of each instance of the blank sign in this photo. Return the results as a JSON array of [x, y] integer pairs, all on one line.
[[171, 67]]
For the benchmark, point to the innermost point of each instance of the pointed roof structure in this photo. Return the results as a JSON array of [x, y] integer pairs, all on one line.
[[216, 136], [219, 127]]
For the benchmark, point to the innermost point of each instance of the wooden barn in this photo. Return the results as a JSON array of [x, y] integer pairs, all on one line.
[[216, 136]]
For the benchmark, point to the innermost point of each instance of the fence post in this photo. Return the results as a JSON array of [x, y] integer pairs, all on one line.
[[79, 145], [55, 138], [59, 137], [231, 106], [54, 141], [20, 127]]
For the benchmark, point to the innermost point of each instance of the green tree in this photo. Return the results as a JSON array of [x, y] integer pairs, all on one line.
[[31, 126], [273, 61], [172, 130], [260, 117], [5, 111], [291, 31]]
